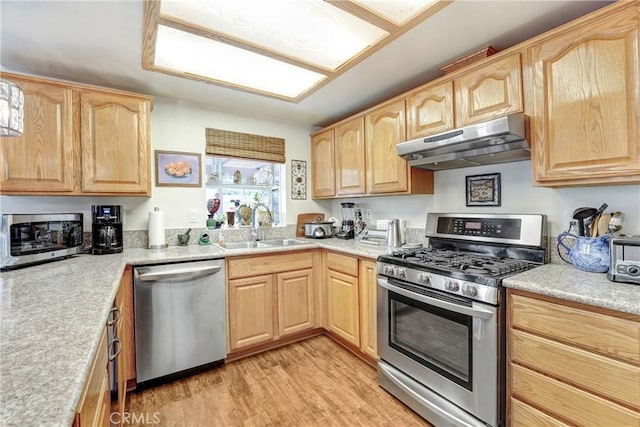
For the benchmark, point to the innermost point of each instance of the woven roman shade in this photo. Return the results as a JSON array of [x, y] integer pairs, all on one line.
[[226, 143]]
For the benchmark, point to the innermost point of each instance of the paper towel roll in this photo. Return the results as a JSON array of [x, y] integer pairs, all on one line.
[[156, 229]]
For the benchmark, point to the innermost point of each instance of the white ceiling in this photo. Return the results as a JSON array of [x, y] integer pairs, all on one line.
[[99, 42]]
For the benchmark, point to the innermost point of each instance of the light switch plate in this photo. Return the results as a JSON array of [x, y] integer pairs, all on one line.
[[193, 215]]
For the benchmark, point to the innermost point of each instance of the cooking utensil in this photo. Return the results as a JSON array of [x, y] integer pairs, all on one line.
[[603, 223], [616, 222], [581, 214], [304, 218]]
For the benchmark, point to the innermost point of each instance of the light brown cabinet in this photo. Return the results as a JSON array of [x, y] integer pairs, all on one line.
[[323, 173], [350, 164], [430, 110], [571, 364], [125, 361], [585, 101], [489, 91], [77, 140], [342, 297], [368, 308], [95, 402], [269, 297], [388, 173]]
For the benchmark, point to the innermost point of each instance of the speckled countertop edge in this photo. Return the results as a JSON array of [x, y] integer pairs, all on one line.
[[568, 283], [49, 330]]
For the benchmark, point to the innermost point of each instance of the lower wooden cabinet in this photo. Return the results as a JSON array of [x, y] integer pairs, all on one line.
[[342, 297], [95, 402], [269, 297], [571, 364], [368, 308]]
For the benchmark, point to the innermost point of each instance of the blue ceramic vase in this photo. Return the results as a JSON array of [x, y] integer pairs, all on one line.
[[589, 253]]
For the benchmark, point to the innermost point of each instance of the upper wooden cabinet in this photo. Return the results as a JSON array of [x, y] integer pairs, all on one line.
[[45, 156], [350, 158], [77, 140], [430, 110], [490, 91], [388, 173], [115, 143], [585, 99], [323, 172]]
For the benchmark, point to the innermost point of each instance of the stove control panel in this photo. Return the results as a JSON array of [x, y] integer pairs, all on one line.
[[507, 228]]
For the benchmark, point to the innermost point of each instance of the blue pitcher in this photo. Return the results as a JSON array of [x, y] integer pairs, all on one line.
[[589, 253]]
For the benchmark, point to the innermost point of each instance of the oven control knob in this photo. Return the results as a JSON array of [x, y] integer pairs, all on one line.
[[388, 270], [452, 286], [469, 291], [423, 278], [400, 273]]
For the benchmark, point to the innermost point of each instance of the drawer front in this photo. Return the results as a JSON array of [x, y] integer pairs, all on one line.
[[523, 415], [576, 406], [605, 334], [268, 264], [616, 380], [344, 263]]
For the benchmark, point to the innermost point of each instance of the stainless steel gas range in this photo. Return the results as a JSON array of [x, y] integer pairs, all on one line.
[[441, 315]]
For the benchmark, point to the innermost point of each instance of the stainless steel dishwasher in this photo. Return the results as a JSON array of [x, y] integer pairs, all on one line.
[[179, 317]]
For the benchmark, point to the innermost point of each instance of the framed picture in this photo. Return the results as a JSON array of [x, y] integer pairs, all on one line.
[[298, 179], [483, 190], [177, 169]]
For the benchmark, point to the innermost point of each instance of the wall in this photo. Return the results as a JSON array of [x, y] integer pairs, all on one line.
[[180, 126], [518, 196]]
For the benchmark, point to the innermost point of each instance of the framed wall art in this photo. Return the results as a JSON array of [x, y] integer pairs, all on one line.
[[298, 180], [483, 190], [178, 169]]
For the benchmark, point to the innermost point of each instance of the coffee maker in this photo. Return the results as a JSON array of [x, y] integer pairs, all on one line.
[[106, 229], [347, 231]]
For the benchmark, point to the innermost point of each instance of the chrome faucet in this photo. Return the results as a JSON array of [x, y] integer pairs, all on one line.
[[255, 236]]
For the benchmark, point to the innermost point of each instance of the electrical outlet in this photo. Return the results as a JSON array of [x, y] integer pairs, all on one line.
[[193, 215], [367, 214]]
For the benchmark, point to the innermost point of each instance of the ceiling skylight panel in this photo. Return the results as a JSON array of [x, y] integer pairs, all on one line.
[[398, 11], [186, 52], [311, 31]]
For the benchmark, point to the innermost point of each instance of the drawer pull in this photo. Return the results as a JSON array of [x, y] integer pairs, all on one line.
[[111, 347]]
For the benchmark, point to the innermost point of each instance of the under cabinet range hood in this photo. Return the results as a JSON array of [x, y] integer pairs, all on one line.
[[496, 141]]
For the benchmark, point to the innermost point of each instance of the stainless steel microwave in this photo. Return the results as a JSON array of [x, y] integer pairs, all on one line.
[[33, 238]]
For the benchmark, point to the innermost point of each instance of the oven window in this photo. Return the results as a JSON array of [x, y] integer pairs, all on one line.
[[439, 339]]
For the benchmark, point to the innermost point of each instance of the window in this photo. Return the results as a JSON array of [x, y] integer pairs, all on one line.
[[244, 182]]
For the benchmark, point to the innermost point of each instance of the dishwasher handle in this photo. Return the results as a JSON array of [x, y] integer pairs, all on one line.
[[189, 273]]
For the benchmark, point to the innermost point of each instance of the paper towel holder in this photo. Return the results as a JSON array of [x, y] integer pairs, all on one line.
[[161, 226]]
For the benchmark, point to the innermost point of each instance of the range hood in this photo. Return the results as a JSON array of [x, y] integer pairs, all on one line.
[[496, 141]]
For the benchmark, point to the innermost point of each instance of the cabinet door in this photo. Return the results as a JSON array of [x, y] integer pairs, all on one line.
[[586, 97], [115, 144], [386, 171], [368, 308], [323, 174], [490, 91], [42, 159], [295, 301], [126, 363], [350, 158], [251, 318], [430, 111], [342, 295]]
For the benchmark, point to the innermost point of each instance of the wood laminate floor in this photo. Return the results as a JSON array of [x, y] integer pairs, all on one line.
[[310, 383]]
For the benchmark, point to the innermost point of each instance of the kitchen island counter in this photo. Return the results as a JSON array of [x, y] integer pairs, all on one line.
[[567, 282], [52, 317]]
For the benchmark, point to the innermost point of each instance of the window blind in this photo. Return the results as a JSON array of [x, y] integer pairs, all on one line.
[[227, 143]]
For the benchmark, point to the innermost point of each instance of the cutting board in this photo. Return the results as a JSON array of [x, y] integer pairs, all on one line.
[[307, 217]]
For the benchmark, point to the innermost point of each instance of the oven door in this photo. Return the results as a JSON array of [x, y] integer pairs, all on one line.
[[446, 344]]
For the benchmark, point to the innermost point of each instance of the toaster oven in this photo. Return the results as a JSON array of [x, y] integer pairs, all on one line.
[[27, 239], [625, 260]]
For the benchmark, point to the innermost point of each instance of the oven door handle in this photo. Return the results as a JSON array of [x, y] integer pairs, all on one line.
[[469, 311]]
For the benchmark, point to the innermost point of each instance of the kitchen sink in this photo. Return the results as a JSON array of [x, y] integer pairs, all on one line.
[[242, 245], [284, 242], [260, 244]]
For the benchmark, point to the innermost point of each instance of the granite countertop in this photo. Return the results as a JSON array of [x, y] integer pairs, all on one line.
[[566, 282], [52, 317]]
